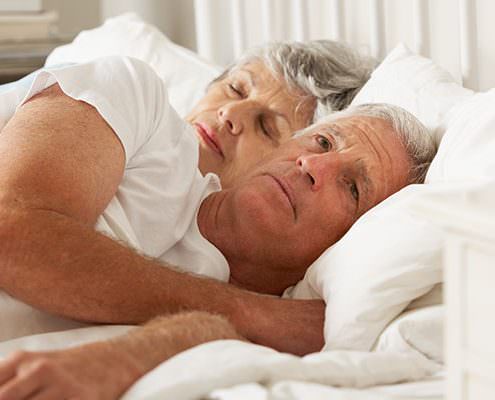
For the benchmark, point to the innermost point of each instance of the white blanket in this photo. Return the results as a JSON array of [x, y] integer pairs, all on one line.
[[231, 369]]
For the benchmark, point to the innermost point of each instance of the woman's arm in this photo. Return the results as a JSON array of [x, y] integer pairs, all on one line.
[[105, 370]]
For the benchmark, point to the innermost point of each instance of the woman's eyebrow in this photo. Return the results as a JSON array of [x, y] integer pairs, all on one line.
[[249, 76]]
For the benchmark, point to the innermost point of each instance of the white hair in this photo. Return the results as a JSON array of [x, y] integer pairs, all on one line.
[[416, 138], [329, 71]]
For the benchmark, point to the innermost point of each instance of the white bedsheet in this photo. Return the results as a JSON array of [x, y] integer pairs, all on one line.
[[196, 373], [428, 389], [231, 369]]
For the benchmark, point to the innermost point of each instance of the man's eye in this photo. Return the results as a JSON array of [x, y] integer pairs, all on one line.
[[354, 191], [324, 142], [235, 89]]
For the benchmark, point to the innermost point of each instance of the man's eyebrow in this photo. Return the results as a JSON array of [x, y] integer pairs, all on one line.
[[339, 137]]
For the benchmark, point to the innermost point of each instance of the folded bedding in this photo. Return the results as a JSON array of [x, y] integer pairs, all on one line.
[[236, 367]]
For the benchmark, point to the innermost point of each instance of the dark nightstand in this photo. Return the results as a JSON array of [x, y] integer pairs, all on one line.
[[18, 59]]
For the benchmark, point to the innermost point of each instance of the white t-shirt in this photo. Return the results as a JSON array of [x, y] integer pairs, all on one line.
[[156, 205]]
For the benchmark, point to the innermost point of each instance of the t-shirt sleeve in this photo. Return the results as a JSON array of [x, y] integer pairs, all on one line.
[[126, 92]]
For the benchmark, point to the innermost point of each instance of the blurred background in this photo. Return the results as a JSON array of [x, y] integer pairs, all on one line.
[[30, 29]]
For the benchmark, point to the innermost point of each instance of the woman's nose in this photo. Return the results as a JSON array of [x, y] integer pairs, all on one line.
[[319, 168], [231, 116]]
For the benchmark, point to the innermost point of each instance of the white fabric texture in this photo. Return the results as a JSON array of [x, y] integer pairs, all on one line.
[[416, 84], [204, 369], [185, 73], [155, 208], [430, 389], [419, 331], [467, 150]]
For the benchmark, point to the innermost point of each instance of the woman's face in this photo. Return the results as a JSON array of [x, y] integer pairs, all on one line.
[[243, 117]]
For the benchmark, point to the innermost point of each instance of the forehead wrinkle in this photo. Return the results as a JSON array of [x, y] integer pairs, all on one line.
[[375, 145], [361, 166]]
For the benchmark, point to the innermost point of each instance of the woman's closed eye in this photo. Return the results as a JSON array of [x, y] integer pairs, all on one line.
[[235, 89]]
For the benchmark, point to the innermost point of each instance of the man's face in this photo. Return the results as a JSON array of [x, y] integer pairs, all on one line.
[[243, 117], [303, 197]]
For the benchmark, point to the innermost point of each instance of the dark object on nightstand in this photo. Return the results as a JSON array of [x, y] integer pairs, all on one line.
[[18, 59]]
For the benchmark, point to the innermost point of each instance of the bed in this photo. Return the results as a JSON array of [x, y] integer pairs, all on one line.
[[384, 320]]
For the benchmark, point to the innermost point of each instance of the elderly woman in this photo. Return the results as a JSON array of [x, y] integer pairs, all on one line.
[[272, 91], [259, 101]]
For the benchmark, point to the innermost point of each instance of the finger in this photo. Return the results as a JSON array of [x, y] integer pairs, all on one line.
[[24, 384], [8, 366], [7, 371]]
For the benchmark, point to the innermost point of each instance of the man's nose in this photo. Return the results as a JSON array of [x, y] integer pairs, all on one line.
[[319, 168]]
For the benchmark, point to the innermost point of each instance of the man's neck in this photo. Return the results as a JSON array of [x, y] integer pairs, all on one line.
[[215, 222]]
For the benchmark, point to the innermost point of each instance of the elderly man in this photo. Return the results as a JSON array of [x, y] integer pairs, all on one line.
[[270, 227], [98, 146], [61, 168]]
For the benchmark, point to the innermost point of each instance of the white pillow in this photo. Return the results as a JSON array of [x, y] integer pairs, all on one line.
[[467, 150], [416, 84], [388, 258], [417, 331], [185, 73]]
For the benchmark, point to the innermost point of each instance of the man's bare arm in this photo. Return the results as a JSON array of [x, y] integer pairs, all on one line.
[[105, 370], [60, 164]]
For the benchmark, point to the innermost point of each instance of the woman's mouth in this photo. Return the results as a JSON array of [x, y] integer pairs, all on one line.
[[209, 137]]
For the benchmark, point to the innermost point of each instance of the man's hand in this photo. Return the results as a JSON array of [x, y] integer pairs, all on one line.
[[93, 372], [105, 370], [292, 326]]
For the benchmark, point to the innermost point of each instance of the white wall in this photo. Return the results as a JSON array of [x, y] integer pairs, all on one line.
[[444, 28]]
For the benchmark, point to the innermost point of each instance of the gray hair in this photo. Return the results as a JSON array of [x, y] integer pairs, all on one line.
[[329, 71], [416, 138]]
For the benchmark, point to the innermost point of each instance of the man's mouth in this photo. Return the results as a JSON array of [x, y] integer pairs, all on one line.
[[287, 190], [209, 137]]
